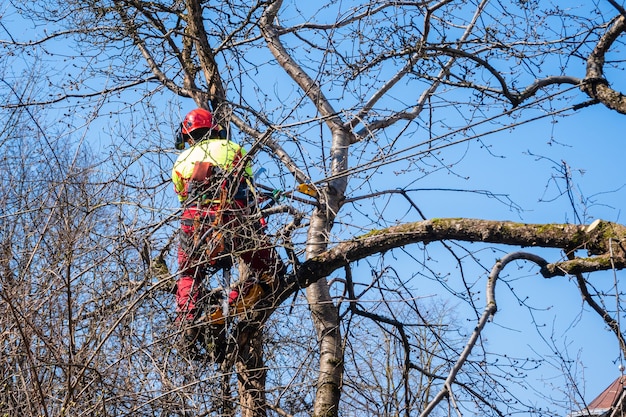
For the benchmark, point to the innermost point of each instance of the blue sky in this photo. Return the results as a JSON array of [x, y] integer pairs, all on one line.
[[522, 164]]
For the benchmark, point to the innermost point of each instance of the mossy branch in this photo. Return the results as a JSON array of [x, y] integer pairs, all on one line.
[[595, 238]]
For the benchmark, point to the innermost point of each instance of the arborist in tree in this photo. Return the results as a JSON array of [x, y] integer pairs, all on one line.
[[214, 184]]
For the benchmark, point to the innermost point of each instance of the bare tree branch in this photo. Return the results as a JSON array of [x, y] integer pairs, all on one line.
[[490, 310]]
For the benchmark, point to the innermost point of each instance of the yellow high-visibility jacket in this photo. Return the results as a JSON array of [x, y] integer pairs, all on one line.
[[219, 152]]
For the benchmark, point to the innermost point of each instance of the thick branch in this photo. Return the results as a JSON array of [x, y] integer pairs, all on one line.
[[596, 86], [595, 238], [205, 53], [295, 71]]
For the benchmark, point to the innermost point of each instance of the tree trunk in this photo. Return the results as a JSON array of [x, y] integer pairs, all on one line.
[[323, 310], [326, 322], [251, 372]]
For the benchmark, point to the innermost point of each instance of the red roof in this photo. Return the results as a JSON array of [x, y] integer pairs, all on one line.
[[608, 398]]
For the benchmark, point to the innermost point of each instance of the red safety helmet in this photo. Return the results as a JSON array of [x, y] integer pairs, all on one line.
[[197, 119]]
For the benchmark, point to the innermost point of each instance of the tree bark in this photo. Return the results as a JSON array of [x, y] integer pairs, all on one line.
[[323, 310], [326, 322], [601, 239], [251, 371], [595, 85], [196, 31]]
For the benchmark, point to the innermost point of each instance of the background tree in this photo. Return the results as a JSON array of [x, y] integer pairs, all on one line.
[[338, 97]]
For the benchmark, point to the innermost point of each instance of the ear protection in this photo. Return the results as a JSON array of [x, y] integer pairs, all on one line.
[[179, 142]]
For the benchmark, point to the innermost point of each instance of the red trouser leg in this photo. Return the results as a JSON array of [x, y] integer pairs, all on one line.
[[186, 298], [188, 285]]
